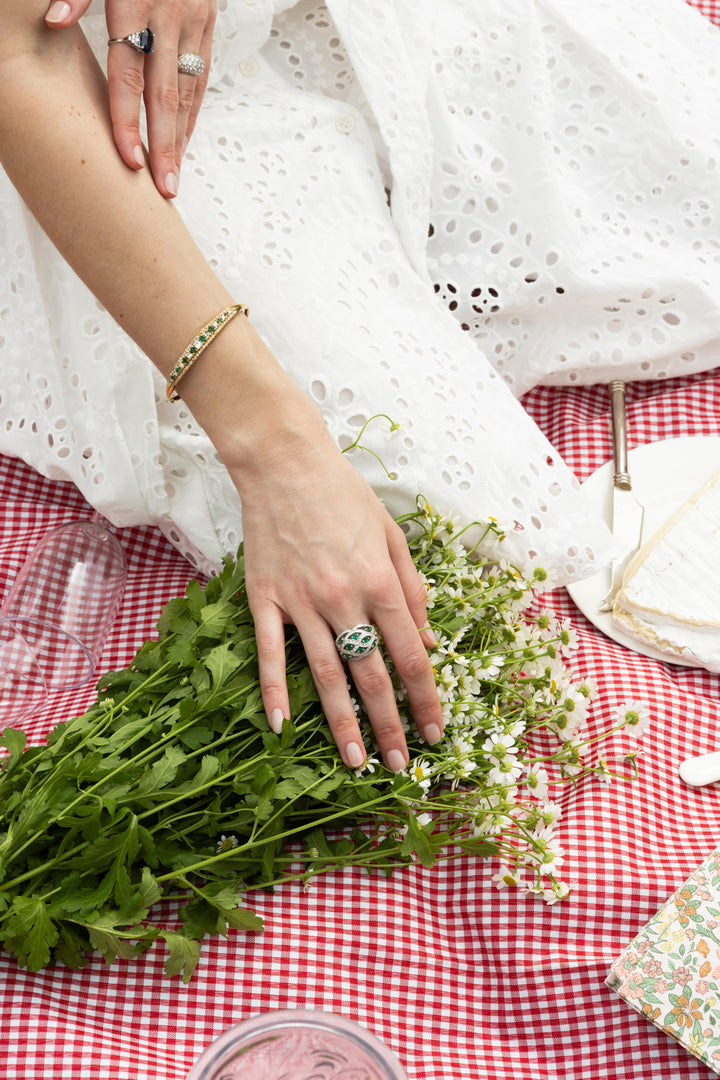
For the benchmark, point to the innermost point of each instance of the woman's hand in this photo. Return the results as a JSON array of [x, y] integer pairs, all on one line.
[[172, 98], [321, 553]]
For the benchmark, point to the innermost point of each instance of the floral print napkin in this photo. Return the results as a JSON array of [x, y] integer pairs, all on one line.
[[670, 972]]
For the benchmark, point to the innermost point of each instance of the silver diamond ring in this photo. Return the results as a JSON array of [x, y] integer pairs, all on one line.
[[141, 41], [191, 63], [356, 642]]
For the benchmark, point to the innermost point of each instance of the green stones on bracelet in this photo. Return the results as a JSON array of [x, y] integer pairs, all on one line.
[[199, 343]]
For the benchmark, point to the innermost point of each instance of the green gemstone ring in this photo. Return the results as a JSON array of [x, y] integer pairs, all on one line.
[[357, 642]]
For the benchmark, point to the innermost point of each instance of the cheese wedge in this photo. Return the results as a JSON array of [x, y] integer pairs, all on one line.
[[670, 595]]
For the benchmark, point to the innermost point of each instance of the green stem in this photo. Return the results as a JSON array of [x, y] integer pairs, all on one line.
[[202, 864]]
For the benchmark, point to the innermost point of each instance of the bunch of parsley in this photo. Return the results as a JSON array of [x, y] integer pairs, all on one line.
[[152, 815], [155, 814]]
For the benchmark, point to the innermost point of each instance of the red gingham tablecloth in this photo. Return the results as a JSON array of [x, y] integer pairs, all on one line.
[[462, 981]]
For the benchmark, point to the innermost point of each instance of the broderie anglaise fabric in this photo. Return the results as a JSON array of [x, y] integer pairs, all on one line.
[[430, 209]]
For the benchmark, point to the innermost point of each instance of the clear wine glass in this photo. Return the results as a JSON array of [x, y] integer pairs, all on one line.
[[65, 599], [23, 690]]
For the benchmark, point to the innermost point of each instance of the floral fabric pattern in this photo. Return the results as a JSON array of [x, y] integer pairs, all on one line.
[[670, 972]]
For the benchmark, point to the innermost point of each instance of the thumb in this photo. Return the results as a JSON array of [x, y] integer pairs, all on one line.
[[61, 13]]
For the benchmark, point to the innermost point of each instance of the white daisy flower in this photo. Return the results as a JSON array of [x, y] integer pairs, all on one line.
[[537, 780], [550, 814], [516, 729], [603, 772], [588, 687], [226, 843], [635, 715], [506, 772], [505, 878], [459, 745], [499, 745], [568, 637], [576, 701], [543, 581], [420, 772], [568, 725], [489, 667], [557, 891], [468, 685], [544, 832], [548, 852]]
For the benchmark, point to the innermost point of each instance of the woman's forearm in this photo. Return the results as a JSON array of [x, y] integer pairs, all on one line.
[[56, 145], [123, 239]]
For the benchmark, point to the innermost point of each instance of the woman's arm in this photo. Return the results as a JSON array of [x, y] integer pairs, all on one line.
[[321, 552], [56, 145]]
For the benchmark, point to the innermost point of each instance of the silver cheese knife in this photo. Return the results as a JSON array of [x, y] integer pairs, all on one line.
[[627, 513]]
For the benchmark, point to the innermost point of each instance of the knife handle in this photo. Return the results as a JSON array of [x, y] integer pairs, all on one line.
[[621, 479]]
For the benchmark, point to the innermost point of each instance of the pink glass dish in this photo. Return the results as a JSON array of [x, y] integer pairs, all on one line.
[[297, 1044]]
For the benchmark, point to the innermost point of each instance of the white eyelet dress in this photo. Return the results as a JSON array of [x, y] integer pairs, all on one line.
[[430, 208]]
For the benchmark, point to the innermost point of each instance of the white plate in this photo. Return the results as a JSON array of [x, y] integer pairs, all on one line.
[[664, 475]]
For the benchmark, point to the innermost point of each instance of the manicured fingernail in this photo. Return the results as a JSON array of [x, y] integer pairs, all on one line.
[[395, 761], [276, 720], [171, 183], [428, 638], [138, 155], [354, 755], [57, 12], [432, 734]]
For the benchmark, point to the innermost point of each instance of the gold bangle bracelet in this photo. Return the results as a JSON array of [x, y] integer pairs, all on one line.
[[198, 345]]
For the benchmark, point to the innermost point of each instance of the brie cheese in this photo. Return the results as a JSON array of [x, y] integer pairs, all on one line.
[[670, 595]]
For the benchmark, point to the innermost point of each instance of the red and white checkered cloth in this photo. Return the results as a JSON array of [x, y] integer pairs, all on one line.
[[711, 8], [462, 981]]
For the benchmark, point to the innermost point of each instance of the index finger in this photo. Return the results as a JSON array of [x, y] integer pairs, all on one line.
[[126, 77]]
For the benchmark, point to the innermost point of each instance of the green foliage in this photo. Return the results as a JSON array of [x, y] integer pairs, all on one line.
[[154, 814]]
